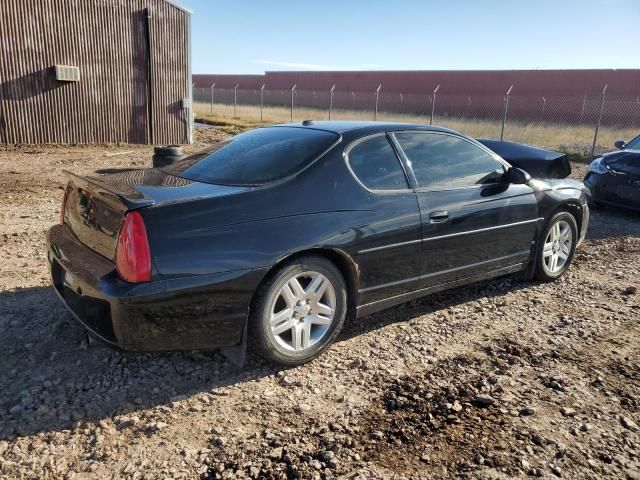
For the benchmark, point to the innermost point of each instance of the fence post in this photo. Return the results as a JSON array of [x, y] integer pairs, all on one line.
[[261, 100], [584, 102], [433, 104], [235, 101], [212, 87], [293, 89], [331, 100], [595, 135], [375, 113], [544, 104], [506, 107]]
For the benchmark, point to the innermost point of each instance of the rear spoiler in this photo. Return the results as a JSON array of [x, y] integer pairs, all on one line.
[[537, 162], [114, 189]]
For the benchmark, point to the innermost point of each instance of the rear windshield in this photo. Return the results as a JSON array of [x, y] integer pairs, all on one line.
[[256, 157]]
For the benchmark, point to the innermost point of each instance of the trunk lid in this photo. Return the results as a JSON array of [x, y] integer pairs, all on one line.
[[96, 204], [538, 162]]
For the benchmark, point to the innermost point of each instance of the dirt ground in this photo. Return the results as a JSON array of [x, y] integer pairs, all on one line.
[[496, 380]]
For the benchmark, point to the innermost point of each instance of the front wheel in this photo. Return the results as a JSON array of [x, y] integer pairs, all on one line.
[[558, 245], [299, 311]]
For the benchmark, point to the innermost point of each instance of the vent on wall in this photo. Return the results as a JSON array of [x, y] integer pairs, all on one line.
[[67, 73]]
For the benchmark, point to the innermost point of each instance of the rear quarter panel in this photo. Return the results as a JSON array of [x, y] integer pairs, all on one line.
[[323, 207]]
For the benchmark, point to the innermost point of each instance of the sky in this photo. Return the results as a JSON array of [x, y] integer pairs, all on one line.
[[245, 36]]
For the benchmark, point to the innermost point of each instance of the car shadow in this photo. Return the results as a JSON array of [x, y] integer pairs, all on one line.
[[54, 379], [612, 222], [489, 289]]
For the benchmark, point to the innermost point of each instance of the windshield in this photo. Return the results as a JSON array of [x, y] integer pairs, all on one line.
[[256, 157], [633, 144]]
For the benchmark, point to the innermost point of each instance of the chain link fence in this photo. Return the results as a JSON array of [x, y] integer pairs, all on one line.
[[580, 124]]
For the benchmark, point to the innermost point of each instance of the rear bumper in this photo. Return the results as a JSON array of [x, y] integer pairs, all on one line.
[[187, 313]]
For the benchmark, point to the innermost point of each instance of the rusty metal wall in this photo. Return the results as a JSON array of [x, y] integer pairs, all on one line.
[[487, 82], [244, 82], [107, 40]]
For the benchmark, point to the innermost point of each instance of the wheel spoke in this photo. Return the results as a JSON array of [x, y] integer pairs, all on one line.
[[296, 288], [320, 320], [562, 255], [278, 318], [323, 309], [283, 327], [317, 286], [306, 332], [548, 249], [296, 337], [289, 296]]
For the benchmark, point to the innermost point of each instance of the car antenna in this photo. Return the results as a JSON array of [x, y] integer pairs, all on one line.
[[307, 122]]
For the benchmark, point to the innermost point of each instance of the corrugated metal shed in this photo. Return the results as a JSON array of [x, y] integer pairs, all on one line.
[[133, 58]]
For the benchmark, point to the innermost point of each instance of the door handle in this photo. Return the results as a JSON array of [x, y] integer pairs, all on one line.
[[438, 216]]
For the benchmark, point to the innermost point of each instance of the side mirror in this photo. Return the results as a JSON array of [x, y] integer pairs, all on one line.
[[517, 176], [619, 144]]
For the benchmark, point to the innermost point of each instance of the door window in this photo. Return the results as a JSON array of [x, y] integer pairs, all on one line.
[[376, 165], [446, 161]]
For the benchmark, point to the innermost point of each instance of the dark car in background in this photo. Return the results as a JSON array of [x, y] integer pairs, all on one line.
[[614, 178], [274, 236]]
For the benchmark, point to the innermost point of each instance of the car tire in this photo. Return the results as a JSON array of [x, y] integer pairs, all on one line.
[[298, 311], [168, 150], [556, 247]]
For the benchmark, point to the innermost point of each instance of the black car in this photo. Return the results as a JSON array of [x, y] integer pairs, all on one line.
[[614, 178], [276, 236]]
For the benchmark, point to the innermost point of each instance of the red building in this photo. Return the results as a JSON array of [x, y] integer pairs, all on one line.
[[452, 82]]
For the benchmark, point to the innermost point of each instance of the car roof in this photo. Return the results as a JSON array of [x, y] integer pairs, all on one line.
[[343, 126]]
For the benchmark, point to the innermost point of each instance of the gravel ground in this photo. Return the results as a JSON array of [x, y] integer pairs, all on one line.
[[495, 380]]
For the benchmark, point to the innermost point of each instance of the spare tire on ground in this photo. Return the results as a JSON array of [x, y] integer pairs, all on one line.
[[164, 155]]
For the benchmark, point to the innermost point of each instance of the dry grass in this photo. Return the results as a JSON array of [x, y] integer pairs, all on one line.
[[564, 137]]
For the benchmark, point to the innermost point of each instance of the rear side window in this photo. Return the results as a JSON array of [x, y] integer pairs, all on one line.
[[377, 166], [256, 157], [445, 161]]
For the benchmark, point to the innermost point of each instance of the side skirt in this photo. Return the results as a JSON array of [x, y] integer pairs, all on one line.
[[376, 306]]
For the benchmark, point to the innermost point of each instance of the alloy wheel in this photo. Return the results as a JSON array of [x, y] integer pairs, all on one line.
[[303, 311], [557, 247]]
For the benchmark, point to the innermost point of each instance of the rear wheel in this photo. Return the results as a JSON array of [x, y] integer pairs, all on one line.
[[558, 245], [299, 311]]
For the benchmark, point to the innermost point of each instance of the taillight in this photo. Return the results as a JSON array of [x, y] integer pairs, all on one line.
[[133, 257], [64, 204]]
